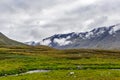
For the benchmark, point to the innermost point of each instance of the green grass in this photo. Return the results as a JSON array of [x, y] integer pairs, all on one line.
[[87, 64], [66, 75]]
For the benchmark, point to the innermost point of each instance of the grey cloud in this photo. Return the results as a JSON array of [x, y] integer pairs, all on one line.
[[26, 20], [97, 22]]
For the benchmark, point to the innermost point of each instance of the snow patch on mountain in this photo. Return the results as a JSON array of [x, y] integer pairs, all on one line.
[[62, 41], [68, 37], [114, 29], [89, 34], [111, 31], [45, 42], [101, 31], [117, 27]]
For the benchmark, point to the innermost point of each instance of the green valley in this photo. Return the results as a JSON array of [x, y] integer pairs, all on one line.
[[74, 64]]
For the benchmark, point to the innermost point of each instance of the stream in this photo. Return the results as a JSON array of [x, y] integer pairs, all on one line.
[[29, 72], [36, 71]]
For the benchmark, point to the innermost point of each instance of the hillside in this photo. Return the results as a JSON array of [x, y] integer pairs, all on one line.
[[5, 41]]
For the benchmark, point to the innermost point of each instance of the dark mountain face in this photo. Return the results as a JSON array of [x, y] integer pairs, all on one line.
[[103, 37], [5, 41]]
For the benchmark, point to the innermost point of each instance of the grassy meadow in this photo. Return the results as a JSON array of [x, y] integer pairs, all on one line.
[[74, 64]]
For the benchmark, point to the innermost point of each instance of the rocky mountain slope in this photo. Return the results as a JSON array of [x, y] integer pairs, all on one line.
[[101, 38]]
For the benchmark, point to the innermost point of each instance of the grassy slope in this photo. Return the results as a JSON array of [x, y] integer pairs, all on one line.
[[87, 64], [5, 41]]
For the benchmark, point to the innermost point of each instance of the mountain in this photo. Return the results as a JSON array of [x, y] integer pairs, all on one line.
[[5, 41], [100, 38]]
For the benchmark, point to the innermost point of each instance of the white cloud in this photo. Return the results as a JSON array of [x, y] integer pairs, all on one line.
[[26, 20]]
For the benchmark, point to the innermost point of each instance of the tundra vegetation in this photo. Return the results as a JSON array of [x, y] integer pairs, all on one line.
[[72, 64]]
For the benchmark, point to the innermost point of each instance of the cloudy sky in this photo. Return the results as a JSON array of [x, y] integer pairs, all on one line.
[[27, 20]]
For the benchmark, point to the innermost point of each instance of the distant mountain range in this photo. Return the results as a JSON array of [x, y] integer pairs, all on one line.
[[100, 38], [5, 41]]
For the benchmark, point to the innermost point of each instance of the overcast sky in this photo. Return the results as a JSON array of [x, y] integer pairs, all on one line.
[[27, 20]]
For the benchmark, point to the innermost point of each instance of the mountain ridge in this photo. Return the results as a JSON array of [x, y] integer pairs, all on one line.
[[102, 37], [5, 41]]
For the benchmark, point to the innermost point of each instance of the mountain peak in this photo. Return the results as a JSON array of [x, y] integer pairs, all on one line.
[[102, 37]]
